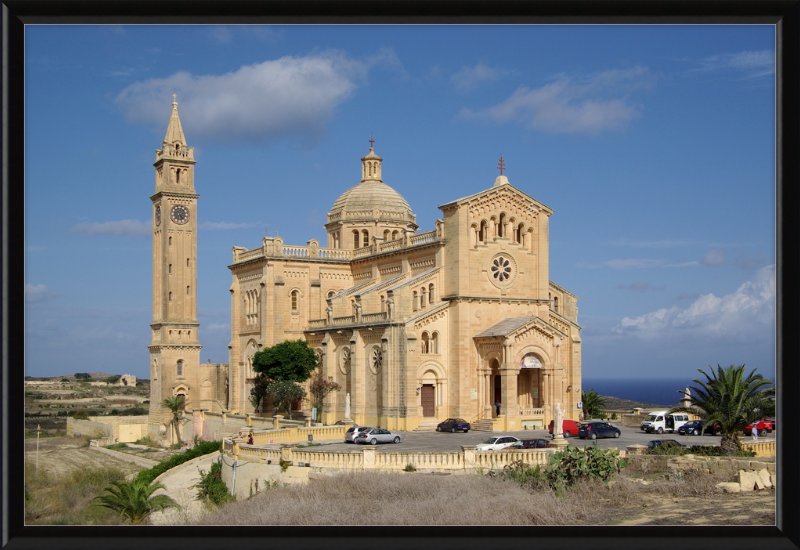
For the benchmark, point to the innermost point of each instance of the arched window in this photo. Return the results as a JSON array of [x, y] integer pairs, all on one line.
[[394, 235], [170, 241], [501, 226], [383, 304], [295, 295], [177, 172], [187, 290], [555, 304], [424, 348], [331, 293], [355, 238], [366, 238], [170, 296], [179, 368], [434, 345], [385, 235], [169, 269], [422, 293], [416, 301], [483, 232], [187, 262], [430, 293]]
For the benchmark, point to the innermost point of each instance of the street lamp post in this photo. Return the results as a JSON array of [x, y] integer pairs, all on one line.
[[38, 429]]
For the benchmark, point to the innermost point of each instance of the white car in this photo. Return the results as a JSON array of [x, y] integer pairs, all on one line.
[[496, 443], [373, 436]]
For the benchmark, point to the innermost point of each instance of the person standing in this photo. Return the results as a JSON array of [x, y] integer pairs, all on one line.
[[754, 431]]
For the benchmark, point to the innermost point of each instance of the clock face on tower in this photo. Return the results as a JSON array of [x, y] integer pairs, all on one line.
[[179, 214], [158, 215]]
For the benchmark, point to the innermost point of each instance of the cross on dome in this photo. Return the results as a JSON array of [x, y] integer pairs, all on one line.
[[501, 166], [371, 141]]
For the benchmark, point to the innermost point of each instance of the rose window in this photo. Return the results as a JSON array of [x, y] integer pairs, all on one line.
[[501, 269], [377, 360], [344, 361]]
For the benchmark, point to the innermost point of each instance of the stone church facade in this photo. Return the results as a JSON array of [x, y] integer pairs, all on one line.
[[460, 321]]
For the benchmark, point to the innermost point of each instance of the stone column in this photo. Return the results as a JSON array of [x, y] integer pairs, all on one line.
[[369, 458], [198, 417]]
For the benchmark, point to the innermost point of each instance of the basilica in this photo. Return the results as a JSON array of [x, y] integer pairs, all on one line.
[[461, 320]]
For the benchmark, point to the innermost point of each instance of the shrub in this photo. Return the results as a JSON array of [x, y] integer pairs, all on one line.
[[146, 440], [573, 464], [613, 416], [523, 473], [112, 379], [80, 414], [203, 449], [211, 488], [410, 468], [118, 446]]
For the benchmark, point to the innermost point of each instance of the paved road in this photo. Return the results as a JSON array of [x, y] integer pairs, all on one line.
[[178, 482], [446, 441]]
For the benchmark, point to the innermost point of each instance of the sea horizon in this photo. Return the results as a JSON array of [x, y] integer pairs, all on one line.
[[658, 391]]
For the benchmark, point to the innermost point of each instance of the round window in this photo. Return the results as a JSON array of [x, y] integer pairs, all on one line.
[[502, 270]]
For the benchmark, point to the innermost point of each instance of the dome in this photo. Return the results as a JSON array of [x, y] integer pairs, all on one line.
[[371, 200], [369, 195]]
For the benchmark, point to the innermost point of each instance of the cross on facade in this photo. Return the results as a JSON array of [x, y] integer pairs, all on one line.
[[501, 166]]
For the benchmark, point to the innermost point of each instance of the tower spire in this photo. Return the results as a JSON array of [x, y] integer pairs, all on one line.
[[174, 130]]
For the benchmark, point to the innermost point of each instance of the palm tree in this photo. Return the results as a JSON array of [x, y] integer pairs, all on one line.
[[133, 500], [175, 405], [592, 403], [731, 399]]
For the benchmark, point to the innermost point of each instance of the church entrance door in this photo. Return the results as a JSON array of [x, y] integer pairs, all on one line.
[[428, 400]]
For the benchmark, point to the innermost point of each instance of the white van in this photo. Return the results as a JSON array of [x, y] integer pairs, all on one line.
[[661, 422]]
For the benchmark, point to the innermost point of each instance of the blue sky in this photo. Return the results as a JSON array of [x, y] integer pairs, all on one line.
[[654, 145]]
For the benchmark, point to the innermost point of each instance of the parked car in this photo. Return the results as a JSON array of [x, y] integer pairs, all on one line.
[[496, 443], [655, 443], [529, 444], [453, 425], [765, 426], [661, 422], [594, 430], [373, 436], [698, 427], [353, 431], [568, 427]]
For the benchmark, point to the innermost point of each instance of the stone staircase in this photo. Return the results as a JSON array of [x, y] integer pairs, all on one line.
[[483, 425], [427, 425]]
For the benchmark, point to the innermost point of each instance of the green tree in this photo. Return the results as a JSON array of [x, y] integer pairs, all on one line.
[[113, 379], [732, 399], [134, 500], [284, 393], [319, 388], [291, 360], [259, 390], [592, 403], [175, 406], [83, 376]]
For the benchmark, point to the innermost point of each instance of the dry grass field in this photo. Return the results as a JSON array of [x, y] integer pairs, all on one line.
[[405, 498]]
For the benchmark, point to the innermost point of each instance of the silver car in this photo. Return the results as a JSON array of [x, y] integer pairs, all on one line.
[[353, 431], [373, 436]]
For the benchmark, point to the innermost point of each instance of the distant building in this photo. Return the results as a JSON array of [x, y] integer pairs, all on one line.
[[415, 327]]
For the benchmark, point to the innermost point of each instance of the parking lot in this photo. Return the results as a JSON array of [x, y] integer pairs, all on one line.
[[446, 441]]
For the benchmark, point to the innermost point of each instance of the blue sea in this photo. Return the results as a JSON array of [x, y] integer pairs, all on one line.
[[658, 391]]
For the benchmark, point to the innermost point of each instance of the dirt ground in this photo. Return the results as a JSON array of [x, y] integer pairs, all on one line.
[[61, 455], [756, 508]]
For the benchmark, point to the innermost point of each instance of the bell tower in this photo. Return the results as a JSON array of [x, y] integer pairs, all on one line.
[[174, 345]]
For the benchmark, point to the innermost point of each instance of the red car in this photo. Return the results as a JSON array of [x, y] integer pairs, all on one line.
[[764, 426], [568, 427]]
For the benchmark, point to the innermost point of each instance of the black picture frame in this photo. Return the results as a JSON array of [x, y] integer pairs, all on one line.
[[785, 14]]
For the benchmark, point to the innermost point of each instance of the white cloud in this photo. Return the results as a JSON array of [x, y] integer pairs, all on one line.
[[215, 226], [714, 258], [599, 102], [131, 228], [38, 293], [754, 64], [469, 78], [288, 96], [742, 314]]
